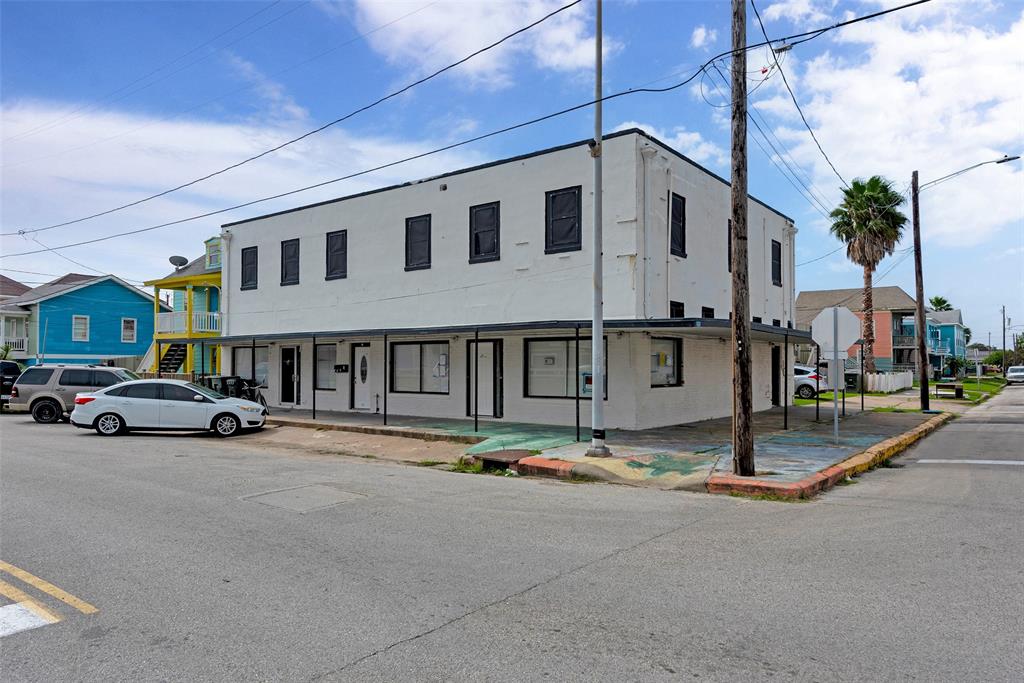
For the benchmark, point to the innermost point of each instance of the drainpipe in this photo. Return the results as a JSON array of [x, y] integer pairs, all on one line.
[[225, 280], [668, 240], [647, 152]]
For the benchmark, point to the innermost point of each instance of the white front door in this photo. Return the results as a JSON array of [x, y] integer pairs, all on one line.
[[362, 396], [484, 400]]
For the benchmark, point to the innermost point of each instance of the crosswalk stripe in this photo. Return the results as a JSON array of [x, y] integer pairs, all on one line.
[[965, 461], [16, 617], [21, 597], [48, 588]]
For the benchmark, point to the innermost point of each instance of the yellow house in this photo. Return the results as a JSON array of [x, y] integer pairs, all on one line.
[[195, 316]]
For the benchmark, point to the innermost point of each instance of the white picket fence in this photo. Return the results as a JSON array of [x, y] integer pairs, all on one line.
[[888, 382]]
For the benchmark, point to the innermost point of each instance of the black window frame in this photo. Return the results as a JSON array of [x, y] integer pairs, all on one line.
[[474, 229], [672, 310], [776, 322], [777, 263], [252, 283], [420, 344], [677, 361], [577, 244], [316, 364], [757, 319], [707, 312], [342, 272], [408, 225], [680, 249], [571, 340], [728, 245], [284, 244]]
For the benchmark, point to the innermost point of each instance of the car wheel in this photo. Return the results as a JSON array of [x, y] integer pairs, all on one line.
[[805, 391], [109, 424], [226, 425], [46, 411]]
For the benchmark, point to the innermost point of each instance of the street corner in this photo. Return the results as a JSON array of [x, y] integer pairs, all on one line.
[[634, 466]]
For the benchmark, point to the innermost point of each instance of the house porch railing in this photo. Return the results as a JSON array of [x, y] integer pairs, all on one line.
[[177, 321], [16, 343]]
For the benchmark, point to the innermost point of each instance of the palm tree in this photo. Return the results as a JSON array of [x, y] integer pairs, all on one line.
[[940, 303], [868, 221]]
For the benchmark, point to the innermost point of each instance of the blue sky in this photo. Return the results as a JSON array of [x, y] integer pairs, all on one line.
[[103, 103]]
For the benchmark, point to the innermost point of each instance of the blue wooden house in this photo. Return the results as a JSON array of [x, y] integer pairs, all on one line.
[[83, 319]]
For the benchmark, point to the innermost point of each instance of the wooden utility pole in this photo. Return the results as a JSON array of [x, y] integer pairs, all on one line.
[[920, 323], [742, 389]]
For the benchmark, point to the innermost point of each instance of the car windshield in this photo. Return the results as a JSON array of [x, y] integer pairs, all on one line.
[[127, 375], [205, 391]]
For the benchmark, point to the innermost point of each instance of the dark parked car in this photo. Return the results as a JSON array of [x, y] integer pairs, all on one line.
[[9, 371]]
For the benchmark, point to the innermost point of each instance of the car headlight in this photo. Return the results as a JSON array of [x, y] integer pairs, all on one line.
[[250, 409]]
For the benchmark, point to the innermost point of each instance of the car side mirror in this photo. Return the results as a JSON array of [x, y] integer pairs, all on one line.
[[198, 399]]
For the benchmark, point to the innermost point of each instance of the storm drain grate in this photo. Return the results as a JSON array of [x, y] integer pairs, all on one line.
[[303, 499]]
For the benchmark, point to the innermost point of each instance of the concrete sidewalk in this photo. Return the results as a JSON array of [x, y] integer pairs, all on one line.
[[695, 456]]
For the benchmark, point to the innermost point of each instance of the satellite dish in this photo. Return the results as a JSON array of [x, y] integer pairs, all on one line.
[[178, 261]]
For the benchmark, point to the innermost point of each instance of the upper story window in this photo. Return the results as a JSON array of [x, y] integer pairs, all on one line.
[[484, 237], [417, 242], [80, 328], [707, 312], [337, 255], [562, 215], [290, 262], [776, 263], [250, 267], [213, 254], [676, 309], [677, 225]]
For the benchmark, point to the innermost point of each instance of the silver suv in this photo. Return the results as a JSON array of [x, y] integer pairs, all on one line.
[[48, 391]]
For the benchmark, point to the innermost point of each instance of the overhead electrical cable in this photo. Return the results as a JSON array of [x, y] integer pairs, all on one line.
[[307, 134], [444, 148], [793, 97], [319, 55]]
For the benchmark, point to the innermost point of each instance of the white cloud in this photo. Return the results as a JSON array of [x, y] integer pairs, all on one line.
[[445, 32], [162, 153], [690, 143], [797, 10], [280, 104], [702, 36], [895, 94]]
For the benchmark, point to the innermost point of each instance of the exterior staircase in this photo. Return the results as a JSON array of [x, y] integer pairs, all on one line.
[[173, 357]]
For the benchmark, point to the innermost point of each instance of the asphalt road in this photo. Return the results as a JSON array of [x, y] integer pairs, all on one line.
[[914, 572]]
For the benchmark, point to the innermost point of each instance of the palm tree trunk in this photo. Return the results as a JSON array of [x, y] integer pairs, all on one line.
[[868, 307]]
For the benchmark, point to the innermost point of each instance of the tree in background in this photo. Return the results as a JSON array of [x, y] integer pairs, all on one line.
[[868, 221], [955, 365], [940, 303], [967, 335]]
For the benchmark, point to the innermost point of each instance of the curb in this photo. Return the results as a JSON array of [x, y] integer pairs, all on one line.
[[379, 431], [543, 467], [828, 477]]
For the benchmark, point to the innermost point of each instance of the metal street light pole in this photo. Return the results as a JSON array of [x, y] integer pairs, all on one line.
[[597, 445]]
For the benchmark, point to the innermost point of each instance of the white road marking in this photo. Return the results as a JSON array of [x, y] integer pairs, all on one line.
[[16, 617], [937, 461]]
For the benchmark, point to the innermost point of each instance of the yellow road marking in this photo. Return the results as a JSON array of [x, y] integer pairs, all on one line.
[[48, 588], [19, 596]]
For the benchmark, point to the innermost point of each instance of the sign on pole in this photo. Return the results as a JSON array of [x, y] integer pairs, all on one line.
[[835, 330]]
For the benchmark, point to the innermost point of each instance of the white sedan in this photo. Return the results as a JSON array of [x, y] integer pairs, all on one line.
[[164, 404]]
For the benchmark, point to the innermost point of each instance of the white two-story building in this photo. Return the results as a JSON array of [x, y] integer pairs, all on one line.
[[375, 302]]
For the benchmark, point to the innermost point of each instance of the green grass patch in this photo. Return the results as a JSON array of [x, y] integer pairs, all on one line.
[[774, 497], [468, 467]]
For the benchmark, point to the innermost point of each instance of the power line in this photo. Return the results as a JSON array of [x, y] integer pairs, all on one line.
[[109, 97], [354, 39], [307, 134], [805, 192], [79, 263], [793, 97], [449, 146]]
